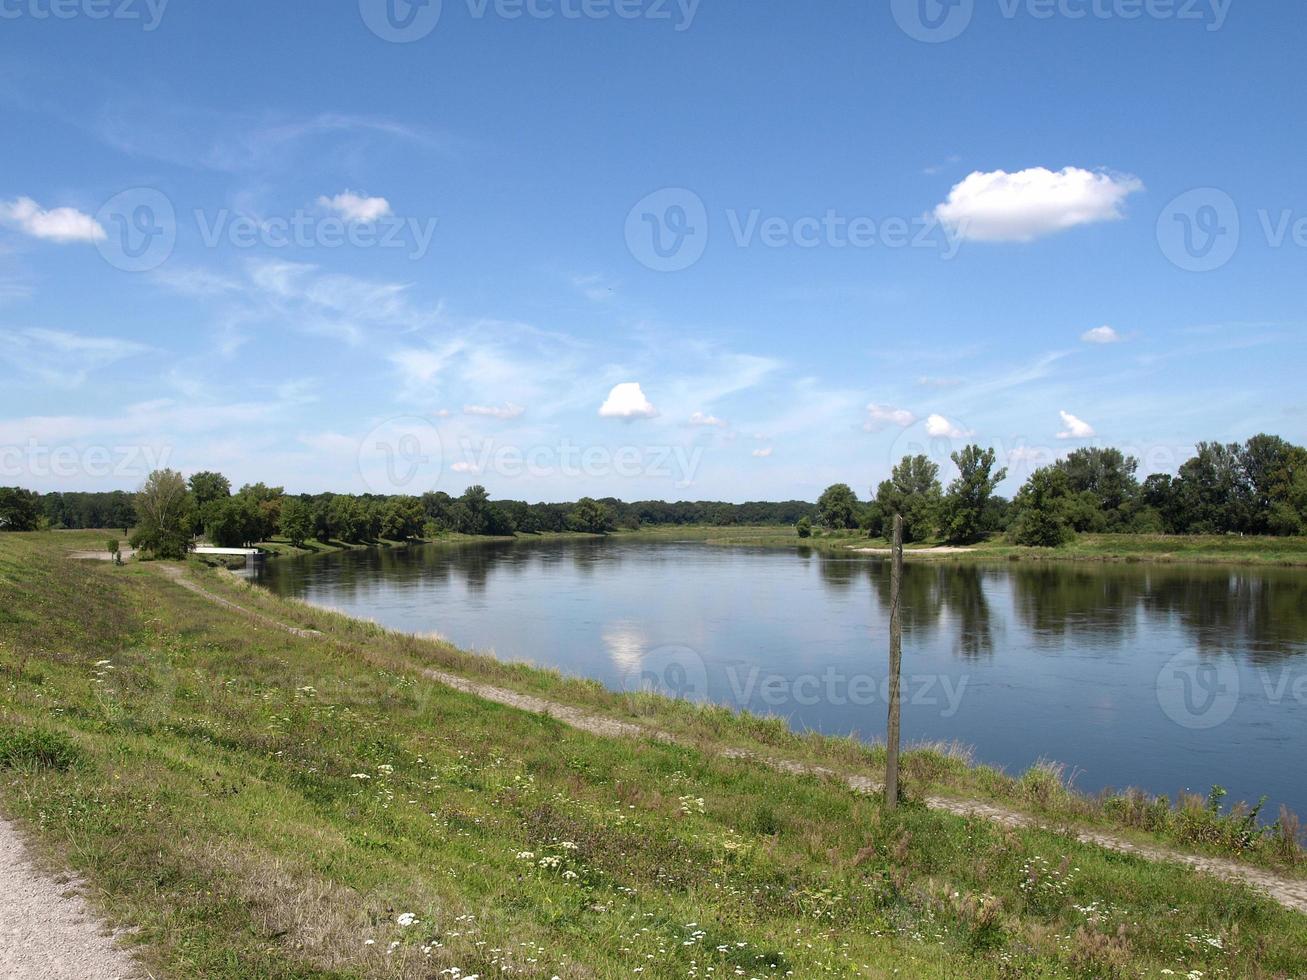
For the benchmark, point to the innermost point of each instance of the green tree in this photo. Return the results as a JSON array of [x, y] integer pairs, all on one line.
[[402, 518], [1107, 477], [838, 508], [231, 522], [804, 527], [19, 509], [207, 485], [1042, 507], [296, 521], [164, 514], [591, 517], [914, 491], [1213, 494], [965, 504]]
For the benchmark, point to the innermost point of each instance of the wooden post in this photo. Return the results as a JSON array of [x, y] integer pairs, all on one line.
[[895, 668]]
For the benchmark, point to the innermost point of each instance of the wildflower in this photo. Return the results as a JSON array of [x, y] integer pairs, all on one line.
[[407, 919]]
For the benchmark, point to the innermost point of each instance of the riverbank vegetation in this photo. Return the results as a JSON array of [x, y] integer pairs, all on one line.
[[1257, 488], [258, 802]]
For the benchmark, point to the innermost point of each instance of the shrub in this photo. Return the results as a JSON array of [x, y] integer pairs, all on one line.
[[36, 749]]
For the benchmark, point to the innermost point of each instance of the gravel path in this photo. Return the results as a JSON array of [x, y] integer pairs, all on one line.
[[1289, 892], [46, 930]]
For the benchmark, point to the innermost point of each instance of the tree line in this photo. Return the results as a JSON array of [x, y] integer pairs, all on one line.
[[228, 517], [1256, 487]]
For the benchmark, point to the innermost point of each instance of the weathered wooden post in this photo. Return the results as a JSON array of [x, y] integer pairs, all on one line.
[[895, 668]]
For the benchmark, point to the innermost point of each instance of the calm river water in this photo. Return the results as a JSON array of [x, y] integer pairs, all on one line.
[[1164, 677]]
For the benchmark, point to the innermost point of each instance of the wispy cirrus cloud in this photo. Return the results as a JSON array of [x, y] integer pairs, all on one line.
[[61, 358]]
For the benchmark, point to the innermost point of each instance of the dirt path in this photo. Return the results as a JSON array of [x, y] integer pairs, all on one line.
[[1289, 892], [46, 930]]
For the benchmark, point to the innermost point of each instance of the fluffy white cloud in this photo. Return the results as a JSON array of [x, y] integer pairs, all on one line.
[[464, 468], [627, 401], [56, 225], [699, 418], [938, 427], [1101, 335], [356, 207], [763, 453], [1022, 206], [509, 411], [1075, 428], [881, 416]]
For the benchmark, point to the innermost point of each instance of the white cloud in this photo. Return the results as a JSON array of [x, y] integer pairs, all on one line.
[[1022, 206], [1075, 428], [763, 453], [509, 411], [881, 416], [939, 427], [1101, 335], [627, 401], [699, 418], [464, 468], [355, 207], [56, 225], [62, 359]]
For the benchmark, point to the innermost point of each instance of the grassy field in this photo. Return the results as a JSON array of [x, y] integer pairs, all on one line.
[[1201, 549], [261, 804]]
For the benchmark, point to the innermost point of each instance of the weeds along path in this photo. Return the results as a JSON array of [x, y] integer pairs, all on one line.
[[46, 930], [1289, 892]]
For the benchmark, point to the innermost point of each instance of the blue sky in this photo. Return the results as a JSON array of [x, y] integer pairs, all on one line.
[[353, 246]]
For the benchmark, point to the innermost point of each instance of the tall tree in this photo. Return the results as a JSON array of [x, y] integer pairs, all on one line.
[[164, 513], [837, 508], [1041, 506], [591, 517], [963, 511], [19, 509], [206, 486], [914, 491], [296, 521]]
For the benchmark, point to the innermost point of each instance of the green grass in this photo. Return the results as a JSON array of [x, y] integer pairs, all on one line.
[[208, 783]]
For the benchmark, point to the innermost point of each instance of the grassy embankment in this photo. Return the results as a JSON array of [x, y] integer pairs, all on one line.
[[261, 804], [1199, 549]]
